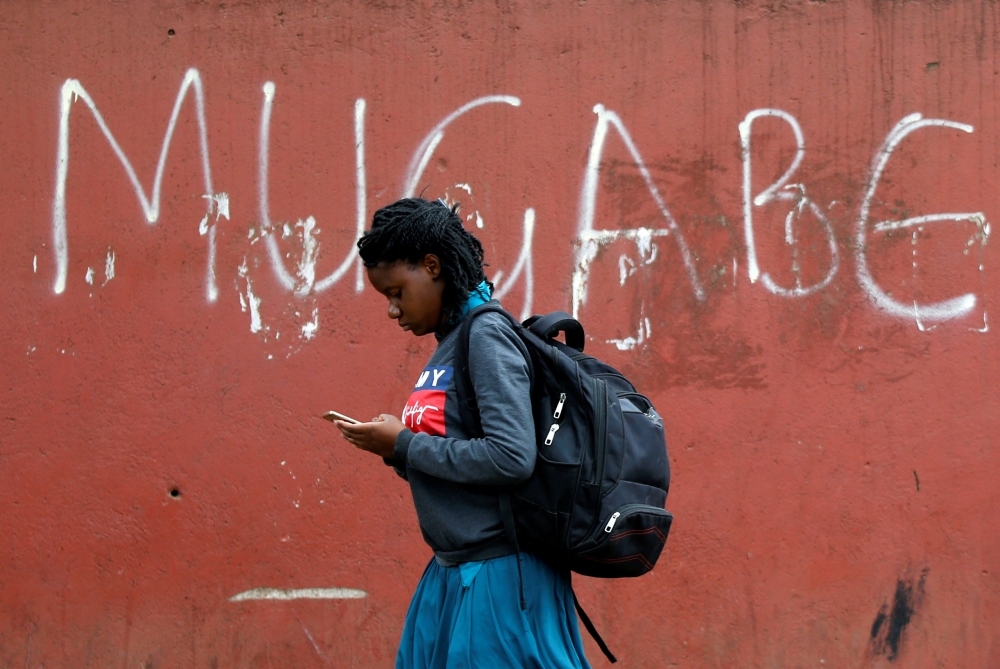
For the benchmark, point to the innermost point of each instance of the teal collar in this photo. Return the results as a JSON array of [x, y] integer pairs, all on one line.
[[481, 295]]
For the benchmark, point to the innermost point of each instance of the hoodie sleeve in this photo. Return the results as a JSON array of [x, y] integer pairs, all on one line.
[[398, 467], [506, 454]]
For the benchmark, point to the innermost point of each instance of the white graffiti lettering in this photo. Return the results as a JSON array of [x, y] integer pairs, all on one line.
[[73, 90], [780, 191], [306, 281], [302, 280], [921, 313], [590, 240]]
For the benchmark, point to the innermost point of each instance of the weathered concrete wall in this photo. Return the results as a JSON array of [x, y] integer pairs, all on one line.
[[817, 325]]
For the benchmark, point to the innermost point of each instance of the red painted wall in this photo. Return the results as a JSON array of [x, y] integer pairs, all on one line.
[[832, 431]]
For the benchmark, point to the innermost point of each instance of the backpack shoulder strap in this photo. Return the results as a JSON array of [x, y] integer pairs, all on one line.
[[470, 412], [585, 619], [463, 379]]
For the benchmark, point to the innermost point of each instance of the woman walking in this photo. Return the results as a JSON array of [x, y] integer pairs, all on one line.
[[466, 611]]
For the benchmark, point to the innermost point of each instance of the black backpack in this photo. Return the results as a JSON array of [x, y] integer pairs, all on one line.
[[594, 503]]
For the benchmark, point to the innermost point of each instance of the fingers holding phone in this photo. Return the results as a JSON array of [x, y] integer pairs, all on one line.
[[377, 436]]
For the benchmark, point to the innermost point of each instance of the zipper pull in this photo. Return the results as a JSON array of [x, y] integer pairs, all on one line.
[[552, 434], [611, 522], [559, 407]]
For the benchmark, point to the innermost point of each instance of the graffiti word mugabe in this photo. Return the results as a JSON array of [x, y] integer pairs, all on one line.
[[589, 240]]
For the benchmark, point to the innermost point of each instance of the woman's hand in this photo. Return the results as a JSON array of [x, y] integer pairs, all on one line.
[[378, 436]]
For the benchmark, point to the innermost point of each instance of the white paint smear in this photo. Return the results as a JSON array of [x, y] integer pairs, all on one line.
[[109, 267], [252, 301], [276, 594], [315, 645], [466, 187], [976, 217], [306, 271], [629, 343], [72, 90], [221, 205], [626, 268], [310, 328], [34, 264], [90, 276]]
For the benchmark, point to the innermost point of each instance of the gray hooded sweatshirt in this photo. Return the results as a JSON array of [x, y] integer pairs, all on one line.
[[451, 471]]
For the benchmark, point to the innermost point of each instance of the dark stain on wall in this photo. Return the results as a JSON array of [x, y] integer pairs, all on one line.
[[889, 624]]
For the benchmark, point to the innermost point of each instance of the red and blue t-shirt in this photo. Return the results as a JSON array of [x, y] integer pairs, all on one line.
[[424, 411]]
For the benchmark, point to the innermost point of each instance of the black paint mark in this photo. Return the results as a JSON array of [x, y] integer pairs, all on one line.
[[888, 627], [879, 621], [917, 479], [933, 66]]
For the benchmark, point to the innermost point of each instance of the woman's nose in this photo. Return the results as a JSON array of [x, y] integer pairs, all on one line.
[[394, 312]]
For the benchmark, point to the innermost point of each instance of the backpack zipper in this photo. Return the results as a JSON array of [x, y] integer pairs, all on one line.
[[600, 428], [559, 407], [552, 434], [629, 508], [600, 425]]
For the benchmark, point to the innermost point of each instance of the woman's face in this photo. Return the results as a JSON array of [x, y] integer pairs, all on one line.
[[414, 292]]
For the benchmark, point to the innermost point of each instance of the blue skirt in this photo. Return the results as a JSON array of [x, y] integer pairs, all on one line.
[[469, 617]]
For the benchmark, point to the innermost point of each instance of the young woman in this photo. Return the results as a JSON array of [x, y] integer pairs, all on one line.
[[466, 610]]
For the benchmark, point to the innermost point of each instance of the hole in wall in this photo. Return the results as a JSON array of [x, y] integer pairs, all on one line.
[[171, 32], [175, 493]]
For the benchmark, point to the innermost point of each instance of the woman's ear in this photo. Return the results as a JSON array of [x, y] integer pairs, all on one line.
[[432, 265]]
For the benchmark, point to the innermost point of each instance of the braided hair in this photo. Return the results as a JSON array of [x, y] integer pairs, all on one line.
[[411, 228]]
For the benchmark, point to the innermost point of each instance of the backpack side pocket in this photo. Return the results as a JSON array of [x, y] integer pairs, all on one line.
[[629, 543]]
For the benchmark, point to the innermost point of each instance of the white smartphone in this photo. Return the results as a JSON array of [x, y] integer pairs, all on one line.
[[336, 415]]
